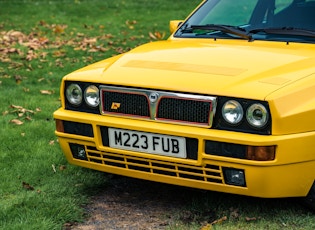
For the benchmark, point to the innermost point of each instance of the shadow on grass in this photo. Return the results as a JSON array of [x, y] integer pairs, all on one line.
[[170, 204]]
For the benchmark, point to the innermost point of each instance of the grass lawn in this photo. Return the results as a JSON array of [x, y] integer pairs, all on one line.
[[40, 42]]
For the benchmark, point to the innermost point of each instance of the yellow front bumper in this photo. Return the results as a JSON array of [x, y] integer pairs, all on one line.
[[290, 174]]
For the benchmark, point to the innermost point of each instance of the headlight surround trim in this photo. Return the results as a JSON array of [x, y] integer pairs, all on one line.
[[243, 125], [83, 106]]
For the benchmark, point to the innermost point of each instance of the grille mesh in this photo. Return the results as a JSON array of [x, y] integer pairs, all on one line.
[[126, 103], [184, 110]]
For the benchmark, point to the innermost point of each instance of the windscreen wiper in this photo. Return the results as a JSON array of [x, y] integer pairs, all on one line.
[[284, 31], [238, 31]]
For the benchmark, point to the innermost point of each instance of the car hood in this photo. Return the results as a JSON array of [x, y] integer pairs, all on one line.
[[226, 67]]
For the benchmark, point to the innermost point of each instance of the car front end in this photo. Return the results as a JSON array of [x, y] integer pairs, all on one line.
[[199, 110]]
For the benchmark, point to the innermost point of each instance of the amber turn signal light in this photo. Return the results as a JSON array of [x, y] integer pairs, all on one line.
[[59, 126], [261, 153]]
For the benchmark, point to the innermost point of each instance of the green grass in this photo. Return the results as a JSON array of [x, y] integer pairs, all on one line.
[[38, 189], [51, 39]]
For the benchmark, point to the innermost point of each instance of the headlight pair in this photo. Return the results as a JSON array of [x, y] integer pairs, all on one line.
[[256, 114], [75, 95]]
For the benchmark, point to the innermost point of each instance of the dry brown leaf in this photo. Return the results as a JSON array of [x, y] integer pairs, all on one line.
[[16, 107], [250, 218], [31, 55], [5, 59], [151, 35], [156, 35], [62, 167], [43, 55], [28, 118], [89, 40], [52, 142], [59, 53], [58, 29], [234, 213], [46, 92], [27, 186], [16, 122], [219, 221], [18, 79]]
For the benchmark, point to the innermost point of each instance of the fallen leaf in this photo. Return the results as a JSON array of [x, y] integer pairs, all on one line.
[[46, 92], [16, 122], [27, 186], [234, 213], [156, 35], [58, 29], [62, 167], [31, 55], [16, 107], [59, 53], [250, 218], [219, 221], [18, 79], [52, 142], [28, 118], [151, 35]]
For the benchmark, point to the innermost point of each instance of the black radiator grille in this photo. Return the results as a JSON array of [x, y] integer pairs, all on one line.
[[158, 105], [126, 103], [184, 110]]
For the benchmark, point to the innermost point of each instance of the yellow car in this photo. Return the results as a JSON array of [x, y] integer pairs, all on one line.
[[225, 104]]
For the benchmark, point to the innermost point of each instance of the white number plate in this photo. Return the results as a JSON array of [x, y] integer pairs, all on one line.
[[147, 142]]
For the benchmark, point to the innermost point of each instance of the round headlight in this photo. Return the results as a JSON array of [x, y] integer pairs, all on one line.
[[257, 115], [74, 94], [232, 112], [91, 96]]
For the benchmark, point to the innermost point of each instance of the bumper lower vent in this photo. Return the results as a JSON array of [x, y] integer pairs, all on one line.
[[207, 173]]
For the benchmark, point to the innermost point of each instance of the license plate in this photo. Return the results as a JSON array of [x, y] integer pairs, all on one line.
[[147, 142]]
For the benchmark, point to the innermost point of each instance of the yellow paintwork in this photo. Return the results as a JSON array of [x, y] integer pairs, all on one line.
[[174, 25], [282, 74]]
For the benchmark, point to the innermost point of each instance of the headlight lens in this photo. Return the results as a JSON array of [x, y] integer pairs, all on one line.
[[257, 115], [91, 96], [232, 112], [74, 94]]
